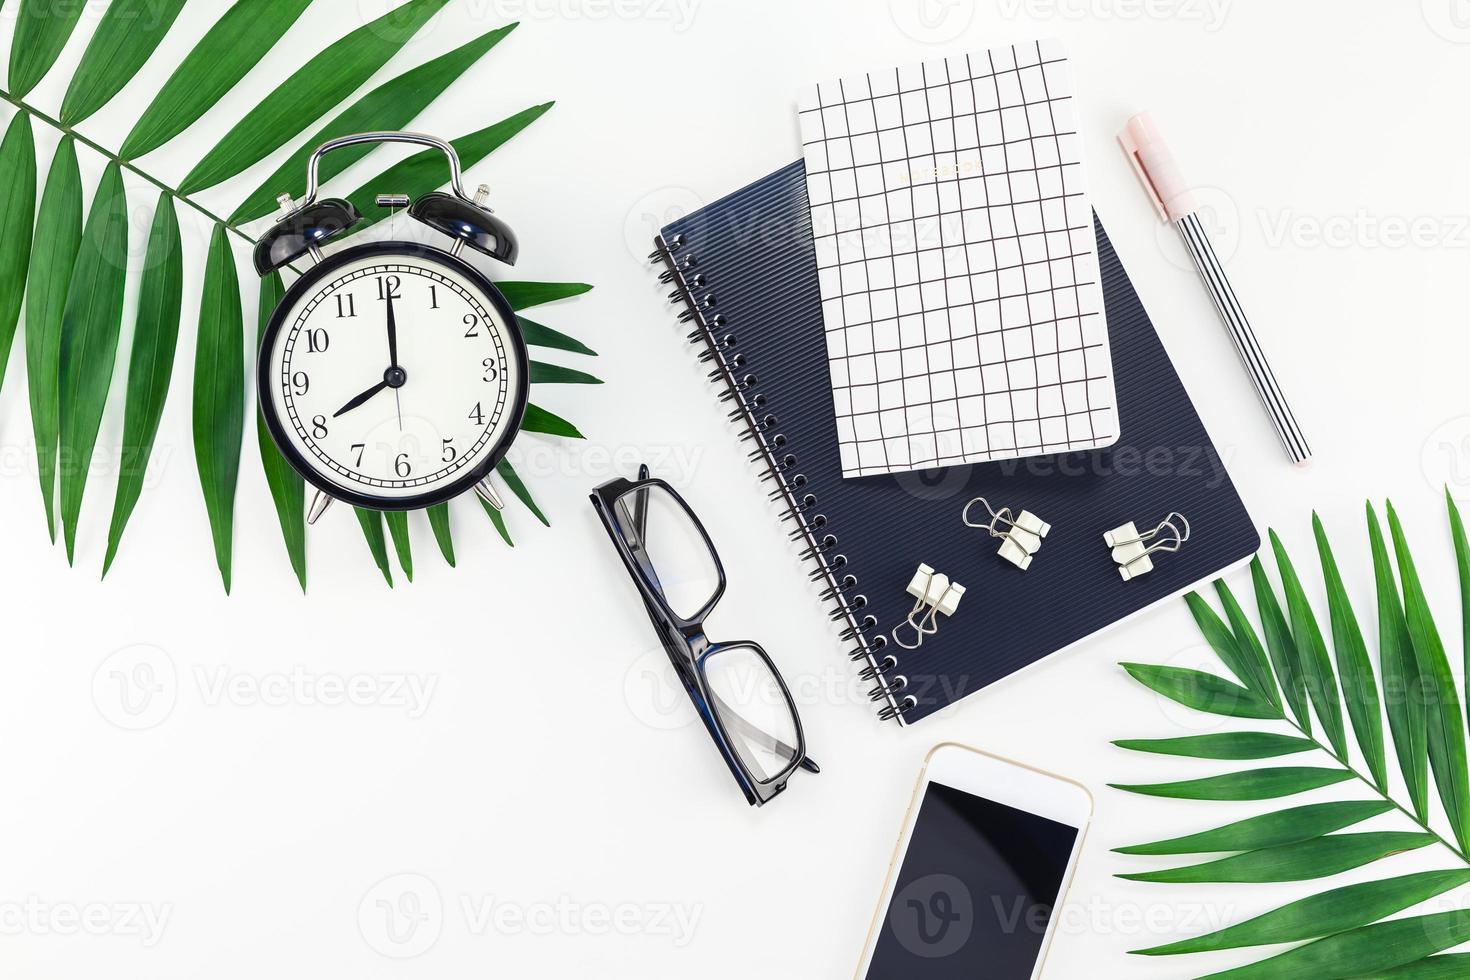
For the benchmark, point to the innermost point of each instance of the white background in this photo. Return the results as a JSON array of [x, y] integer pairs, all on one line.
[[548, 767]]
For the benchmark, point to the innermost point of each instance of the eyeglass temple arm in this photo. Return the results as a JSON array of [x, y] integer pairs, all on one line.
[[765, 739], [759, 735]]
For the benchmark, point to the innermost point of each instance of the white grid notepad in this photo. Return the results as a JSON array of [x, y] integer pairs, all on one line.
[[957, 260]]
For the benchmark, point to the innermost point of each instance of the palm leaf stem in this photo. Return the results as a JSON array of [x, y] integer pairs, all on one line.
[[1422, 824], [127, 165]]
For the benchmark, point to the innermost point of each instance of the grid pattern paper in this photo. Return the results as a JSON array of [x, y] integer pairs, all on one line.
[[957, 262]]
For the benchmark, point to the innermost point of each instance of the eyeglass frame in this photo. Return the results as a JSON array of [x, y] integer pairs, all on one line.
[[689, 647]]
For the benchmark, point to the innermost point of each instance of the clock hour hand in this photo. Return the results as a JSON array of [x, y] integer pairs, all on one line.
[[359, 399]]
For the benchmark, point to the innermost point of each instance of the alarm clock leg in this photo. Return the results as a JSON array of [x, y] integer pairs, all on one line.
[[487, 493], [319, 505]]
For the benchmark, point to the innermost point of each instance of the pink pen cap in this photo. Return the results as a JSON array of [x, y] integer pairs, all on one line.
[[1156, 169]]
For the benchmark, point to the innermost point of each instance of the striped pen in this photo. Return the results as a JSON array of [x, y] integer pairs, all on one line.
[[1175, 202]]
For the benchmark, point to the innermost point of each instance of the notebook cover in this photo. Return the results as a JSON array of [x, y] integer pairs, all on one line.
[[754, 252]]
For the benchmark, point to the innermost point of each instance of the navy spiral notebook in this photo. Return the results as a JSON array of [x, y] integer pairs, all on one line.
[[745, 276]]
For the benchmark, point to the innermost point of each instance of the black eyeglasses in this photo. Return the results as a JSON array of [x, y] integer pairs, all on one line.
[[741, 697]]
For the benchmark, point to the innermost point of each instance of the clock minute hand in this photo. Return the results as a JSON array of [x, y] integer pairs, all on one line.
[[359, 399], [392, 334]]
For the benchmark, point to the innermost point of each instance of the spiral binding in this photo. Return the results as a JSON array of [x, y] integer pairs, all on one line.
[[760, 427]]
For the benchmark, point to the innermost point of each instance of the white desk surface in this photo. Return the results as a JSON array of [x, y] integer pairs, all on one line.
[[545, 792]]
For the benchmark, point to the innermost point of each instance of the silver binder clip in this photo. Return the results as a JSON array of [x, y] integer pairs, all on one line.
[[1132, 550], [933, 594], [1020, 537]]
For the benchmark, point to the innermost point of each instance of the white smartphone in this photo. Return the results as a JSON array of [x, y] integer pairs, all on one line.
[[987, 852]]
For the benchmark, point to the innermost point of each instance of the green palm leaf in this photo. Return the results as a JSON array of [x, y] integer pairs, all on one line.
[[1445, 724], [69, 276], [538, 419], [1230, 650], [1316, 858], [17, 220], [150, 365], [372, 529], [1255, 784], [524, 295], [128, 33], [1406, 700], [1359, 689], [1357, 952], [1462, 562], [324, 80], [426, 171], [397, 521], [518, 487], [1281, 647], [1249, 643], [538, 335], [1326, 914], [1287, 826], [1201, 691], [439, 521], [41, 31], [1346, 926], [288, 489], [498, 519], [219, 396], [1222, 745], [1454, 966], [234, 45], [1312, 651], [90, 325], [554, 374], [390, 106], [53, 259]]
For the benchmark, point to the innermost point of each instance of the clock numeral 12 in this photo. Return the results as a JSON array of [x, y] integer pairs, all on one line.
[[388, 287]]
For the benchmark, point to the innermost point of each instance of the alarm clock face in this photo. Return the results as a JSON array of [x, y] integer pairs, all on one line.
[[393, 376]]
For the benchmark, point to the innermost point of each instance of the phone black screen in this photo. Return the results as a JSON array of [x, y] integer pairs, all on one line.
[[975, 891]]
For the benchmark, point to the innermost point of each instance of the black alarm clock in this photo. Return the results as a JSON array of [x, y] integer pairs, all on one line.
[[392, 375]]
